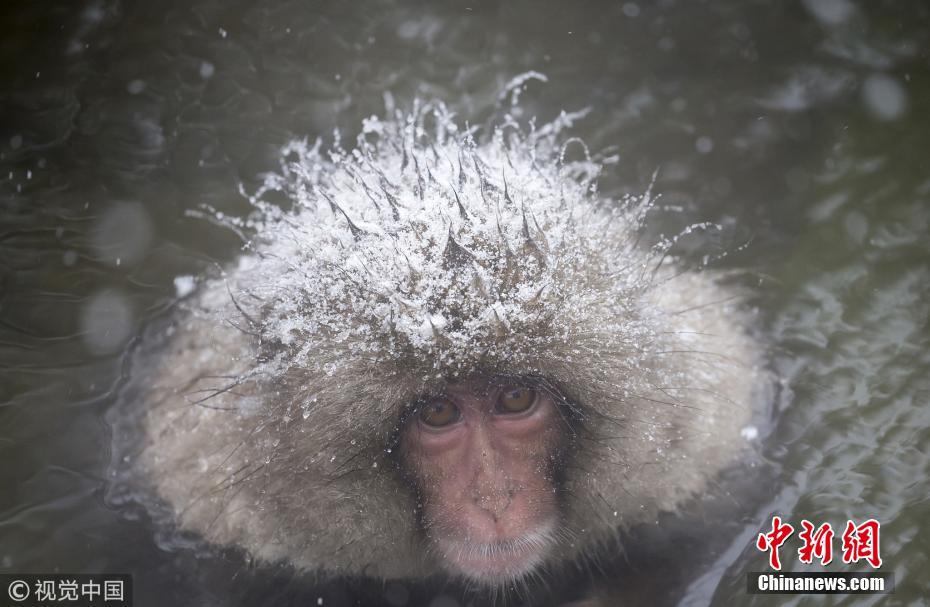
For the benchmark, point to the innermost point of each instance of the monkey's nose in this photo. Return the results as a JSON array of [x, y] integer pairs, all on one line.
[[495, 502]]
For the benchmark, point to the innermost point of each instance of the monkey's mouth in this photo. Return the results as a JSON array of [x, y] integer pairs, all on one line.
[[499, 561]]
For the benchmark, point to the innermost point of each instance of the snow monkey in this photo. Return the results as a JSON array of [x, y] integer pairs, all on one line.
[[442, 352]]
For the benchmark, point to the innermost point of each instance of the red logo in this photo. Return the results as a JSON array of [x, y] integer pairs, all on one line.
[[860, 542]]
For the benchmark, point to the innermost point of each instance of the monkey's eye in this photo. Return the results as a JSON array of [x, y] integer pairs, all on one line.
[[439, 413], [516, 399]]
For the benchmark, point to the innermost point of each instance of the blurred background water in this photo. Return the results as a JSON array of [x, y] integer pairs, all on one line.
[[802, 127]]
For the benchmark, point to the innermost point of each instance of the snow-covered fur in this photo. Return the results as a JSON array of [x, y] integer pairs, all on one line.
[[429, 254]]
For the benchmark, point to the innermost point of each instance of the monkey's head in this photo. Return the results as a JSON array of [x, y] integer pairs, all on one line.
[[442, 353]]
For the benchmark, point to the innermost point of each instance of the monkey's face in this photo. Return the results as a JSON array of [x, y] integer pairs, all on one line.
[[482, 457]]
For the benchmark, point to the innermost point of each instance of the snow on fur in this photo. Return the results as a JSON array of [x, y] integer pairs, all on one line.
[[422, 245]]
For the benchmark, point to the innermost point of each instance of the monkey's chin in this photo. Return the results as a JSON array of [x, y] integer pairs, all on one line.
[[498, 562]]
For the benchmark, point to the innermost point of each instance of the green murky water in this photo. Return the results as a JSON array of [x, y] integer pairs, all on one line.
[[802, 127]]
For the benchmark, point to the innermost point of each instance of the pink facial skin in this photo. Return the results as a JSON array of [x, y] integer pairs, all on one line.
[[483, 466]]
